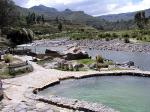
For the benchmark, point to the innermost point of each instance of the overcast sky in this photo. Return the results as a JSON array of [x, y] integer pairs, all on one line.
[[92, 7]]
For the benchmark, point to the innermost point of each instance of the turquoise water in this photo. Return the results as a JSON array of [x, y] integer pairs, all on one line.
[[123, 93]]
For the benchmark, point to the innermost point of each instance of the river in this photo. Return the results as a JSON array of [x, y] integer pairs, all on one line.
[[141, 60]]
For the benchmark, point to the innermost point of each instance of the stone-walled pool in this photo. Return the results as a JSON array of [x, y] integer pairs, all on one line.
[[123, 93]]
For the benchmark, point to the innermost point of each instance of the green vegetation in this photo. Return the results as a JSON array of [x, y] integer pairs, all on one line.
[[20, 36], [8, 58], [141, 20], [60, 26], [43, 61], [6, 73], [114, 69], [32, 18], [11, 67], [99, 59], [8, 13], [23, 25], [86, 61], [21, 71]]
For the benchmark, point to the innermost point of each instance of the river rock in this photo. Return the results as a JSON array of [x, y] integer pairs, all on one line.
[[130, 63], [53, 53], [75, 53]]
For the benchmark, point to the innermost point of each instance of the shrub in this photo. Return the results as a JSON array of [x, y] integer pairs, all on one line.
[[134, 35], [126, 40], [99, 59], [71, 67], [101, 35], [126, 35], [107, 39], [21, 71], [114, 35], [66, 67], [8, 58], [20, 36], [76, 68], [107, 35], [101, 65]]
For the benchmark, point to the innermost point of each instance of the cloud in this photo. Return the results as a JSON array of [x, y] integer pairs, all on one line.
[[129, 7], [92, 7]]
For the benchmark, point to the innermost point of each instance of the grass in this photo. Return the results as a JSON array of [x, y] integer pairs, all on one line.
[[5, 74], [91, 61], [85, 61], [114, 69], [43, 61]]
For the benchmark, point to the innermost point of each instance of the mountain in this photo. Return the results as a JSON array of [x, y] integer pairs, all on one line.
[[67, 14], [47, 11], [123, 16], [107, 22]]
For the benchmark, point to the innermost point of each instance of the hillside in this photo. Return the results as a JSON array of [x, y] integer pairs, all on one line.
[[52, 13], [123, 16], [107, 22]]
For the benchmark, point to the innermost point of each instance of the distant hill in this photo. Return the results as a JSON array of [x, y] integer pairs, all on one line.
[[123, 16], [49, 12], [68, 15], [107, 22]]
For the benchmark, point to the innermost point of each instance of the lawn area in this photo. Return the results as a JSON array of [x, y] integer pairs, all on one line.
[[86, 61]]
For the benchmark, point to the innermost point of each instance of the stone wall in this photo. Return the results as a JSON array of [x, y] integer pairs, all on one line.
[[75, 104], [85, 106]]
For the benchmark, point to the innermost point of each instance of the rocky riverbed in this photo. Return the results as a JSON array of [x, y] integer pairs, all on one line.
[[114, 45]]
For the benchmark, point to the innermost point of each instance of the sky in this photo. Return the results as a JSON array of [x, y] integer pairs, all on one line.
[[92, 7]]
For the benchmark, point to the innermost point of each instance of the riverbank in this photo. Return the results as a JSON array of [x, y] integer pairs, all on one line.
[[20, 89], [113, 45]]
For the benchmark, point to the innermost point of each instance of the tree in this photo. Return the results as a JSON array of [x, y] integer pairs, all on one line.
[[31, 18], [20, 36], [60, 26], [8, 13], [99, 60], [28, 19], [38, 19], [43, 19], [141, 19], [57, 19]]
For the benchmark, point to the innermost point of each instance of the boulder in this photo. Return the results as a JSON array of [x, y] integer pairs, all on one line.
[[75, 53], [53, 53], [130, 63]]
